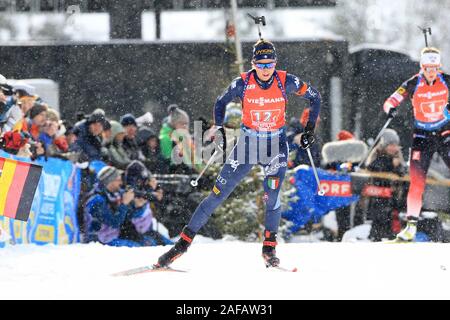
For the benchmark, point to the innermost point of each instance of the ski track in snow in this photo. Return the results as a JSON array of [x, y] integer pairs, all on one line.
[[228, 270]]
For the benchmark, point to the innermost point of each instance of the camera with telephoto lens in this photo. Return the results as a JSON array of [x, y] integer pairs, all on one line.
[[140, 193], [33, 149]]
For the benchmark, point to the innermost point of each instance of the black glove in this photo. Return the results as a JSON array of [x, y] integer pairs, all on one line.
[[223, 143], [222, 138], [307, 138], [392, 113]]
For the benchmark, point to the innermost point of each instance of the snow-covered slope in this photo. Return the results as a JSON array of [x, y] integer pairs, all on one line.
[[228, 270]]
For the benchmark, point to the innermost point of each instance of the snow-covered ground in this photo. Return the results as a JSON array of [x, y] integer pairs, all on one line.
[[229, 270]]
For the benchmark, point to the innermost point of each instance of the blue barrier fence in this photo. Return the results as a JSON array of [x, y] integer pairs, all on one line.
[[306, 205], [53, 217]]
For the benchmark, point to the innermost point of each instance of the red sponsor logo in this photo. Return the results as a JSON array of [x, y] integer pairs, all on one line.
[[377, 192], [336, 188]]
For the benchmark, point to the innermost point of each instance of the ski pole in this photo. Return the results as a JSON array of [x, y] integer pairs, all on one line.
[[258, 21], [426, 31], [320, 192], [194, 183], [375, 143]]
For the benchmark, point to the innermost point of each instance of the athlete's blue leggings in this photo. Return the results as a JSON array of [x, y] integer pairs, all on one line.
[[268, 150]]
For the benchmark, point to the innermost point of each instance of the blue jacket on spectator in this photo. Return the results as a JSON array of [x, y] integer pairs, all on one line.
[[89, 145], [104, 215], [5, 108]]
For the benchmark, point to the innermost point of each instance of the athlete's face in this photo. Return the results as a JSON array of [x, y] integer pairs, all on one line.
[[430, 72], [264, 68]]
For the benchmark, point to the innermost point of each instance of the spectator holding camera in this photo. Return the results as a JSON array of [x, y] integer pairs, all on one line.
[[139, 224], [106, 209], [139, 178]]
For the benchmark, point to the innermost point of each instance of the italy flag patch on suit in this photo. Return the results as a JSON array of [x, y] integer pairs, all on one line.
[[273, 182], [18, 184]]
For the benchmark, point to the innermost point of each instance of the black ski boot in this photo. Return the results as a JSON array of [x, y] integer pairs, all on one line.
[[268, 250], [177, 250]]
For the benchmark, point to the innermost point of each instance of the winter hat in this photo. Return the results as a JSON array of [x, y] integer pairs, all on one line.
[[37, 109], [144, 134], [108, 174], [100, 111], [116, 128], [52, 115], [176, 115], [96, 118], [127, 120], [264, 49], [145, 120], [23, 89], [136, 174], [345, 135], [389, 136], [430, 57]]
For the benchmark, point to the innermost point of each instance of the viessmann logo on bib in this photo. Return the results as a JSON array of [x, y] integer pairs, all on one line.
[[263, 101], [430, 95]]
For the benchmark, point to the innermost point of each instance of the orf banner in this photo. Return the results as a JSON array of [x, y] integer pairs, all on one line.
[[52, 216], [18, 183], [306, 204]]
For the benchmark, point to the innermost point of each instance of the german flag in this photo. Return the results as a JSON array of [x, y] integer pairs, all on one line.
[[18, 183]]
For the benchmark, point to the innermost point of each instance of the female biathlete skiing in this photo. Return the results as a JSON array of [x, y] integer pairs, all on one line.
[[429, 93], [263, 92]]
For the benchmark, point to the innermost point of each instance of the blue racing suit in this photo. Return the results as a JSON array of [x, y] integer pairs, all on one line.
[[266, 148]]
